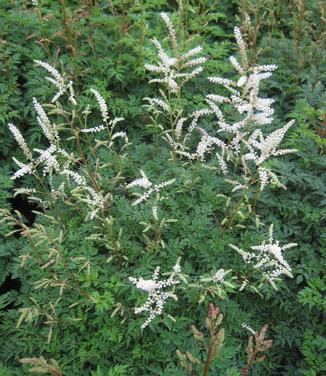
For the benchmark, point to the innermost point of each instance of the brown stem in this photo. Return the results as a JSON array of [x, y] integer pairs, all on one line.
[[209, 360], [67, 28]]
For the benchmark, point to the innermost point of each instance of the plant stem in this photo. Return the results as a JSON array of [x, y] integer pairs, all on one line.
[[67, 28], [174, 157]]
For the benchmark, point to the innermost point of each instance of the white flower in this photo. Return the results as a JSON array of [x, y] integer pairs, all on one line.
[[242, 46], [25, 169], [21, 141], [156, 294], [242, 80], [222, 81], [194, 51], [146, 285], [268, 258], [49, 131], [249, 328], [79, 180], [177, 268], [93, 130], [219, 275], [267, 146], [159, 102], [57, 79], [171, 30], [144, 182], [237, 65], [244, 95], [102, 105], [173, 71]]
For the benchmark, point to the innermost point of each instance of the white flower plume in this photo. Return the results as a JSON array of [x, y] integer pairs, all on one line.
[[156, 294], [268, 258], [150, 188]]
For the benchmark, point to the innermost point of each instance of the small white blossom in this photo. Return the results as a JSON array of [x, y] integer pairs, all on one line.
[[177, 269], [24, 191], [217, 98], [146, 285], [142, 182], [242, 80], [197, 61], [237, 65], [154, 212], [178, 128], [194, 51], [222, 81]]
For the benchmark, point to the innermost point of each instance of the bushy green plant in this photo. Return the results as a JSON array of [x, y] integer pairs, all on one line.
[[102, 227]]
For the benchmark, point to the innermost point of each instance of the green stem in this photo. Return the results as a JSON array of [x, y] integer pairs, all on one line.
[[235, 210], [174, 157]]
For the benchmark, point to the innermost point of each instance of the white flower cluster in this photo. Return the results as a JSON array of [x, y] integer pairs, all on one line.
[[93, 199], [268, 258], [156, 294], [145, 183], [50, 131], [253, 112], [219, 276], [267, 146], [241, 137], [249, 328], [58, 81], [110, 123], [94, 129], [48, 158], [244, 92], [102, 105], [21, 141], [55, 159], [174, 69], [204, 146]]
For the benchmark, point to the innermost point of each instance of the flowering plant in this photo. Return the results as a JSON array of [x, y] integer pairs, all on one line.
[[102, 228]]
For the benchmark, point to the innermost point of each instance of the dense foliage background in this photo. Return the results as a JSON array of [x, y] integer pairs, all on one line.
[[104, 45]]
